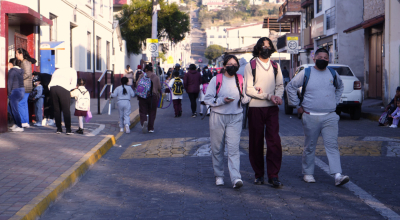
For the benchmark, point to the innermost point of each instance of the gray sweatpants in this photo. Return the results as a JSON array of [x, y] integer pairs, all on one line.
[[226, 130], [327, 126], [124, 107]]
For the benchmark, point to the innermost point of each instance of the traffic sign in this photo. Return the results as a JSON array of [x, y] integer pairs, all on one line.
[[170, 60], [152, 47], [292, 44]]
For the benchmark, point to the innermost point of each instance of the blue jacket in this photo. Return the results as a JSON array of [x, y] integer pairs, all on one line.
[[15, 79]]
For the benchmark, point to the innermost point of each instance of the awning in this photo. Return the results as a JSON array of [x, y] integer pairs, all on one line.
[[52, 45], [366, 24], [21, 14]]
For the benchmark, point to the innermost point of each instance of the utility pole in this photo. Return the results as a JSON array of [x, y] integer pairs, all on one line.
[[154, 33]]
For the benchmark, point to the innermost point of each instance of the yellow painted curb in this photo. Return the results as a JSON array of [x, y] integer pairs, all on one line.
[[370, 116], [41, 202]]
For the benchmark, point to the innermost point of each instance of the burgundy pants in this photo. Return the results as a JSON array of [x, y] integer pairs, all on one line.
[[148, 107], [177, 106], [264, 119]]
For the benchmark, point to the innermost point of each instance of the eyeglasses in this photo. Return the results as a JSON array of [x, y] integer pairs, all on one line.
[[266, 47]]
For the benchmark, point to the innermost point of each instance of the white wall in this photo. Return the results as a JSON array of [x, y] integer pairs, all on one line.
[[245, 36]]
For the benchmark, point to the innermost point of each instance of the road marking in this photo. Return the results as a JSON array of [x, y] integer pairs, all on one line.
[[96, 131], [363, 195]]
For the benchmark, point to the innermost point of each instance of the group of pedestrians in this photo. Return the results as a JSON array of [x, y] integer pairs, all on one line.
[[262, 89]]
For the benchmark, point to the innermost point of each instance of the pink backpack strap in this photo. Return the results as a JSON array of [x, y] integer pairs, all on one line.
[[274, 65], [240, 78], [218, 84], [253, 64]]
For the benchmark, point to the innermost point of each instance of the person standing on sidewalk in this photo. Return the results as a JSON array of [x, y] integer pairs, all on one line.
[[38, 101], [62, 82], [124, 94], [263, 113], [48, 111], [225, 96], [192, 82], [16, 91], [323, 90], [176, 84], [129, 74], [26, 64], [148, 103], [82, 104]]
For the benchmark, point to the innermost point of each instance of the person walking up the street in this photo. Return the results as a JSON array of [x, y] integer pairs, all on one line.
[[225, 95], [176, 84], [62, 82], [148, 91], [263, 113], [82, 104], [206, 78], [322, 89], [38, 99], [16, 91], [26, 64], [124, 94], [192, 81]]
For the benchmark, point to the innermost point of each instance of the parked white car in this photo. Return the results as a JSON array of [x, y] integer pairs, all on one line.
[[352, 96]]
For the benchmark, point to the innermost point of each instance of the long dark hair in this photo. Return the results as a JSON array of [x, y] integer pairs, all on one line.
[[81, 82], [226, 60], [148, 67], [26, 55], [14, 62], [260, 43], [124, 81]]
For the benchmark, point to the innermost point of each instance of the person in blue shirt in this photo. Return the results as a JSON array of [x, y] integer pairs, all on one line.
[[38, 102]]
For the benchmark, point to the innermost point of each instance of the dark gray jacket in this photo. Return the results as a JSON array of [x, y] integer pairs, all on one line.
[[15, 79]]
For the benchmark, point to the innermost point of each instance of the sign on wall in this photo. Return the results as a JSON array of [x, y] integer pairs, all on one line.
[[292, 44], [152, 47]]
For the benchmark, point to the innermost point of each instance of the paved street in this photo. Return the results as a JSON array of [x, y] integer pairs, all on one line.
[[168, 175], [198, 38]]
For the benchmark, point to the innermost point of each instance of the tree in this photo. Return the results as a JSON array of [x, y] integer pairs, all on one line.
[[135, 23], [213, 52]]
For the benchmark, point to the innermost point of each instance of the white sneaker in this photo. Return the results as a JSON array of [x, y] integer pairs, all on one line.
[[309, 179], [127, 130], [144, 128], [121, 130], [25, 125], [38, 124], [50, 122], [219, 181], [237, 183], [393, 126], [151, 131], [18, 129], [13, 127], [341, 180], [44, 122]]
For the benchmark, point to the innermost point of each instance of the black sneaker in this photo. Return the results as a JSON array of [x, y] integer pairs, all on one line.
[[80, 131], [201, 114], [194, 115], [259, 181], [176, 116], [180, 114], [59, 131], [275, 182]]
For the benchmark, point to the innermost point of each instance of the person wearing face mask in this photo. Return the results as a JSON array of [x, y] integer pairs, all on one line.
[[263, 113], [318, 107], [225, 94]]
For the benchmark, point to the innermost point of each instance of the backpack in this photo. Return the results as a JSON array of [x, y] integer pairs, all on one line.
[[137, 75], [307, 78], [83, 101], [219, 83], [177, 88], [253, 64], [143, 89], [384, 119]]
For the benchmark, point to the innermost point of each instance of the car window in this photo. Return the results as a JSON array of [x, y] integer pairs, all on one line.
[[342, 70]]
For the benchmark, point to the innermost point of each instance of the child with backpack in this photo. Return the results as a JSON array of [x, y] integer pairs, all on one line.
[[225, 94], [38, 99], [206, 78], [124, 94], [176, 84], [82, 104]]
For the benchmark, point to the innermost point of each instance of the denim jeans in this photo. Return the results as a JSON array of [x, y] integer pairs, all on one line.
[[15, 97], [38, 110], [23, 108]]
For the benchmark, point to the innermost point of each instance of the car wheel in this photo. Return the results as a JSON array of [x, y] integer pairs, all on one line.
[[355, 113], [288, 110]]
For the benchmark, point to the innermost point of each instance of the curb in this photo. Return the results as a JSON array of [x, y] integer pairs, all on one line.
[[38, 205], [370, 116]]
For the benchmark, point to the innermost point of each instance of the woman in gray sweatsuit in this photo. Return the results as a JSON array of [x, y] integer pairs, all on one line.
[[124, 93], [226, 120]]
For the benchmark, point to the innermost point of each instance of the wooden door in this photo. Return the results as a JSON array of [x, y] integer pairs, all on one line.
[[20, 41], [375, 66]]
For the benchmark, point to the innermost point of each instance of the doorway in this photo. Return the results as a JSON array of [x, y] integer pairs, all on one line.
[[21, 41], [375, 65]]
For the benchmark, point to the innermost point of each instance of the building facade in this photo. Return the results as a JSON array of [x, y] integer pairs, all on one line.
[[245, 35]]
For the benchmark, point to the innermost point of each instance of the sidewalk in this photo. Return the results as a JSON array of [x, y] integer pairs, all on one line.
[[372, 109], [38, 164]]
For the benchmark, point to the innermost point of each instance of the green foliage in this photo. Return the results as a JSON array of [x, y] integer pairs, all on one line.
[[213, 52], [161, 55], [135, 22]]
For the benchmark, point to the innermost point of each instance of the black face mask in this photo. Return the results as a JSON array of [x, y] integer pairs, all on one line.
[[231, 70], [321, 64], [265, 53]]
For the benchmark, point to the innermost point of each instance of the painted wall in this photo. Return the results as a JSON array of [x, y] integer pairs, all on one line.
[[373, 8], [245, 36], [392, 46], [350, 46]]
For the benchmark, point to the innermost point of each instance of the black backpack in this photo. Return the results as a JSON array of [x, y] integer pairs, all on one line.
[[177, 88]]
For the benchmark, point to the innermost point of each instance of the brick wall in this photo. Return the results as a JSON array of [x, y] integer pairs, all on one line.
[[373, 8], [294, 5]]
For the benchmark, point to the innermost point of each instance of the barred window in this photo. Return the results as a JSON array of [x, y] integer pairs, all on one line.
[[330, 18]]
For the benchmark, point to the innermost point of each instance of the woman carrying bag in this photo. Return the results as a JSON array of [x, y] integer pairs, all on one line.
[[225, 96]]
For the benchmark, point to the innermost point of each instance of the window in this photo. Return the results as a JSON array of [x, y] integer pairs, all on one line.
[[224, 36], [98, 51], [111, 9], [94, 8], [309, 15], [211, 43], [108, 54], [319, 6], [343, 71], [53, 33], [88, 51], [211, 36], [219, 36], [330, 18]]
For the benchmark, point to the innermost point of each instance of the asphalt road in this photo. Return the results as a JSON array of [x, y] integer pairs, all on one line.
[[180, 184], [198, 38]]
